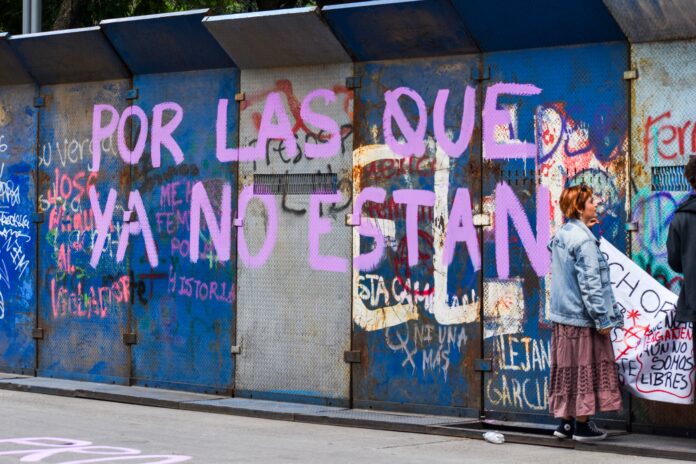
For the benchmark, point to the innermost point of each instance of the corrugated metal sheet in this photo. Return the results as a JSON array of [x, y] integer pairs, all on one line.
[[654, 20], [386, 29], [293, 322], [18, 119], [277, 38], [165, 43], [662, 137], [183, 311]]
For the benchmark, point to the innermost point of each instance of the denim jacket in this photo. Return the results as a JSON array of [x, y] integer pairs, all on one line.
[[581, 293]]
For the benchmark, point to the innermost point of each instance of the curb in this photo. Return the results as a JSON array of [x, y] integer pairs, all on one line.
[[626, 444]]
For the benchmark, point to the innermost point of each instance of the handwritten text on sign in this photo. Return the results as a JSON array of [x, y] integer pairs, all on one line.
[[653, 351]]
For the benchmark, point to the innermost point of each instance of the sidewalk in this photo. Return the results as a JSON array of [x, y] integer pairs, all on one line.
[[618, 442]]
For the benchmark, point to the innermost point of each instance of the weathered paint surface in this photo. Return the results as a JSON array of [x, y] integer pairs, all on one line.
[[430, 255], [18, 119], [578, 123], [663, 130], [83, 310], [416, 316], [183, 310], [293, 321]]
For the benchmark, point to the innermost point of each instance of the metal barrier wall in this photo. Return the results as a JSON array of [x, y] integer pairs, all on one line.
[[325, 214]]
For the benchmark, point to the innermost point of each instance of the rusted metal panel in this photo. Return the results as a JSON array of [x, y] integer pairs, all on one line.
[[569, 105], [654, 20], [18, 125], [662, 139], [418, 324], [293, 318], [183, 310], [83, 309]]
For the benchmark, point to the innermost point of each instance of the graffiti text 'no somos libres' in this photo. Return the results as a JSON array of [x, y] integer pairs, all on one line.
[[275, 125]]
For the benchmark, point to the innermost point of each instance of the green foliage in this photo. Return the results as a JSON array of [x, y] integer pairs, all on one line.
[[59, 14]]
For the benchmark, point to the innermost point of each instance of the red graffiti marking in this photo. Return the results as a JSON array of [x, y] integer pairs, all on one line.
[[659, 137]]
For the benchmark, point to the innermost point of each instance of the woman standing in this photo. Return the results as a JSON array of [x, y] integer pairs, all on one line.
[[584, 378]]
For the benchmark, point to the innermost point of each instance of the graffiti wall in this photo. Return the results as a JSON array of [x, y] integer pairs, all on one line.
[[662, 140], [293, 325], [370, 234], [18, 119]]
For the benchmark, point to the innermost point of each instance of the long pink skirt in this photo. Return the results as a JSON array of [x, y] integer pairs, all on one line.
[[584, 379]]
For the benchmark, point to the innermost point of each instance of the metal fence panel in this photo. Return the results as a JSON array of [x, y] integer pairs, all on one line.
[[662, 139], [575, 120], [83, 310], [18, 119], [183, 310], [417, 325], [293, 321]]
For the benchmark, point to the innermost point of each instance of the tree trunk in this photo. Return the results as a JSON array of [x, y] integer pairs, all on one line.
[[69, 14]]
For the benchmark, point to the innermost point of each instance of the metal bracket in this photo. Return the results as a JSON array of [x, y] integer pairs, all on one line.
[[37, 333], [238, 222], [481, 220], [238, 97], [39, 102], [130, 338], [351, 357], [236, 349], [483, 365], [132, 94], [477, 76], [353, 82], [353, 220], [127, 216], [632, 227], [38, 217], [630, 75]]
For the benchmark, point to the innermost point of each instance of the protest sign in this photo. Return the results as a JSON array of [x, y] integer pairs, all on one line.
[[654, 353]]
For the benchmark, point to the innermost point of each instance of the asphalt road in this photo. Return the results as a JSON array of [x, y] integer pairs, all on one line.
[[51, 429]]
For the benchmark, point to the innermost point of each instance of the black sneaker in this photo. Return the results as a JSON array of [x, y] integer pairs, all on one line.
[[588, 431], [565, 430]]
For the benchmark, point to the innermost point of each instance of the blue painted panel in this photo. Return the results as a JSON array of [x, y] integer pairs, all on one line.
[[83, 309], [418, 327], [166, 43], [579, 124], [18, 119], [11, 70], [383, 30], [511, 24], [184, 311]]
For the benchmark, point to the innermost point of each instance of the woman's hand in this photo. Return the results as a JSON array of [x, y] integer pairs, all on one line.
[[593, 222], [606, 331]]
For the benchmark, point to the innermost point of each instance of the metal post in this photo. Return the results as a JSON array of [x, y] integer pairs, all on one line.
[[35, 16], [26, 16]]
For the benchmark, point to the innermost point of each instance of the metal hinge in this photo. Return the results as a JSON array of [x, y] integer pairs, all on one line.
[[130, 338], [630, 74], [476, 74], [632, 227], [236, 349], [238, 222], [481, 220], [241, 96], [352, 220], [38, 217], [39, 102], [132, 94], [483, 365], [353, 82], [37, 333], [351, 356]]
